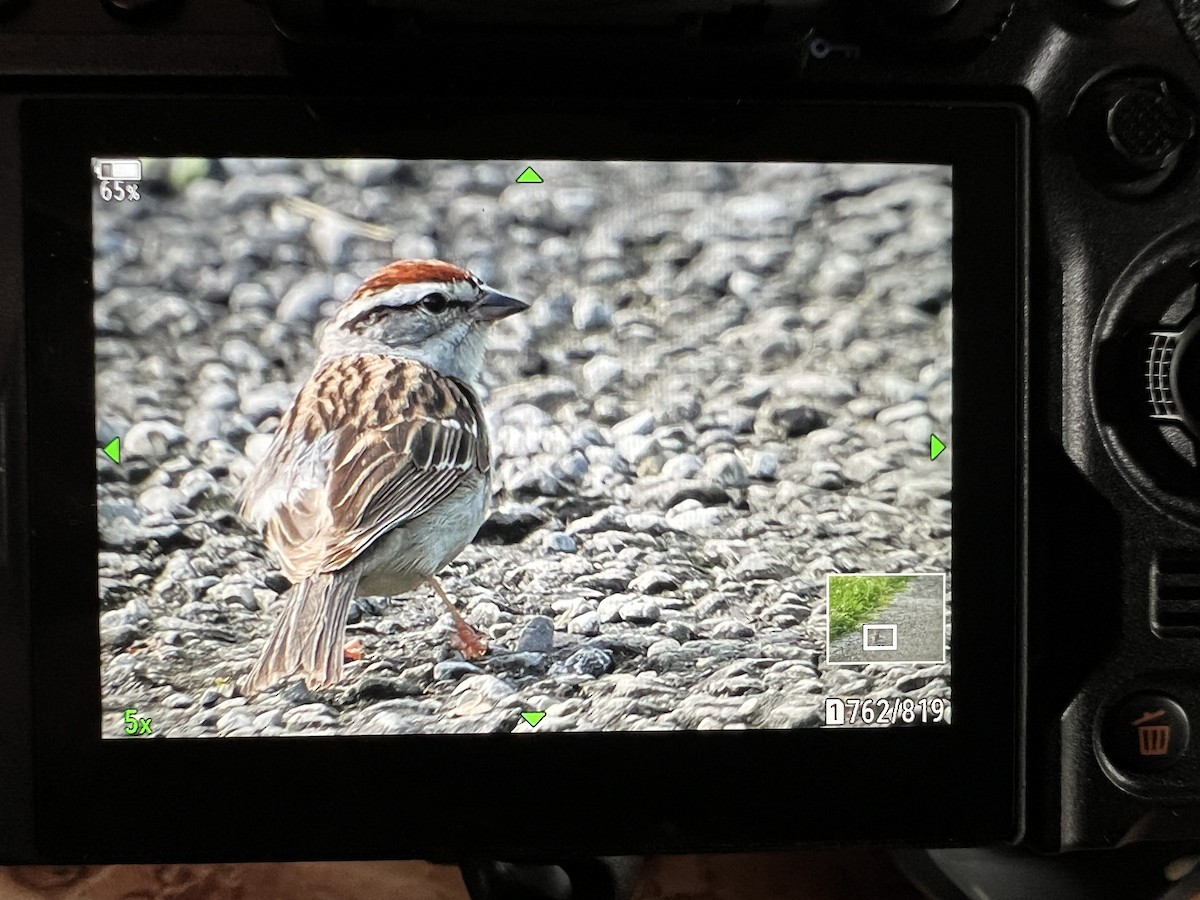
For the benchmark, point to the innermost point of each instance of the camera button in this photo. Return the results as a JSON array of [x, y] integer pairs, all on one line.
[[1145, 733]]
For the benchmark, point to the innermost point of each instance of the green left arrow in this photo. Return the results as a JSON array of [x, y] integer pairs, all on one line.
[[113, 450]]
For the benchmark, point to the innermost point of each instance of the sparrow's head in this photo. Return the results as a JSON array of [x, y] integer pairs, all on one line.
[[423, 309]]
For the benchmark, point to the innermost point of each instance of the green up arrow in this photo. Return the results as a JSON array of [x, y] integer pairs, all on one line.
[[533, 718], [113, 450], [529, 176]]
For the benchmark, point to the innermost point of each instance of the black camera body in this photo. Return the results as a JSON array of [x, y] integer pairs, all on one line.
[[1070, 127]]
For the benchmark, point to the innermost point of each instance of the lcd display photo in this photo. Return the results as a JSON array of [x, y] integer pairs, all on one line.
[[531, 446]]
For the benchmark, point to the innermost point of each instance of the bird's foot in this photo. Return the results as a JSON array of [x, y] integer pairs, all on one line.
[[470, 642], [353, 650]]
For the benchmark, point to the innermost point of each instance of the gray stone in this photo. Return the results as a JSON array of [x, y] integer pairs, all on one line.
[[640, 423], [685, 465], [655, 581], [755, 566], [647, 523], [731, 629], [452, 670], [592, 661], [537, 636], [586, 625], [558, 542], [151, 439], [302, 302], [250, 295], [590, 312], [640, 612], [601, 372], [726, 470], [661, 646]]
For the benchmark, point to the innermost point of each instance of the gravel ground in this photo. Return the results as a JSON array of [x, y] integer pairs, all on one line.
[[722, 393]]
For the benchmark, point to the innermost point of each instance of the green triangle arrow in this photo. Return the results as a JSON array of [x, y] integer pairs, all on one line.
[[935, 446], [113, 450], [533, 718], [529, 176]]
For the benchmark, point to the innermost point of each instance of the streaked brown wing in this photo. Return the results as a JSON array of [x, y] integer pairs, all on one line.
[[417, 436]]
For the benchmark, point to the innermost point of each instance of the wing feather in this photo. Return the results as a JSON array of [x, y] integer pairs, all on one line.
[[329, 486]]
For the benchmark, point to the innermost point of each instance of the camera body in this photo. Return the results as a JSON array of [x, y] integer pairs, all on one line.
[[1079, 472]]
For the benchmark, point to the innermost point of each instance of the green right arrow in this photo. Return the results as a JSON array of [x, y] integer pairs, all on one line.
[[113, 450], [935, 446]]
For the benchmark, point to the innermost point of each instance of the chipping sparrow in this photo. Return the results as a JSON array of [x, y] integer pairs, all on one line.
[[379, 473]]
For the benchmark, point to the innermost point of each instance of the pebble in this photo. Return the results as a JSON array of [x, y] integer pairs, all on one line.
[[726, 470], [685, 465], [592, 661], [590, 313], [537, 636], [151, 438], [452, 670], [655, 581], [761, 566], [586, 625], [302, 302], [640, 612], [559, 542], [601, 372]]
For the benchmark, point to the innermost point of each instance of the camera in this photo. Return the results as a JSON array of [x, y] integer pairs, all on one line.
[[449, 430]]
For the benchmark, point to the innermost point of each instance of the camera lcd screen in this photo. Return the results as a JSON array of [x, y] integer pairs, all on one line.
[[529, 446]]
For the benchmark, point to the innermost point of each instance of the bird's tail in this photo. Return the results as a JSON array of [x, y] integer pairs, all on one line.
[[307, 636]]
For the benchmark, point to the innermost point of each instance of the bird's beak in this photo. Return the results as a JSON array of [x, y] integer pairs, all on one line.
[[492, 305]]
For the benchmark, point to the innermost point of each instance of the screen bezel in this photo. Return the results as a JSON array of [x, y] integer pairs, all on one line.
[[561, 793]]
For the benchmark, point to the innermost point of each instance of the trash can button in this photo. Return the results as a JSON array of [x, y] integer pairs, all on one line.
[[1145, 733]]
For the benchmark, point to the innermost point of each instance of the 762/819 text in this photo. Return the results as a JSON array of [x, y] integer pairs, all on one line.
[[885, 711]]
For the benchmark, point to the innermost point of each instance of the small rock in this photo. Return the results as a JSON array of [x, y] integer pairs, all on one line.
[[841, 275], [250, 295], [587, 625], [797, 420], [655, 581], [558, 542], [537, 636], [663, 645], [640, 612], [732, 629], [647, 523], [685, 465], [641, 423], [151, 439], [726, 470], [452, 670], [590, 313], [302, 302], [601, 372], [757, 565], [586, 660]]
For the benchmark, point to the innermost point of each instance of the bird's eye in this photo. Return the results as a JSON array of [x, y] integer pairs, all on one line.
[[435, 303]]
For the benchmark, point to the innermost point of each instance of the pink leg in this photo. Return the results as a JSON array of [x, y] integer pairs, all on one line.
[[470, 641]]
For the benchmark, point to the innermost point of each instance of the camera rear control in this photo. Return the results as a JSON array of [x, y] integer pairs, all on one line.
[[1146, 374], [1145, 733], [1130, 132]]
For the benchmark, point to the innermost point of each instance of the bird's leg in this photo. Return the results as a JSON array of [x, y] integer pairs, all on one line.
[[470, 641]]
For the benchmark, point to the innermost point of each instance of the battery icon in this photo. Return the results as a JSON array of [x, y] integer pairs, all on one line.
[[118, 169]]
